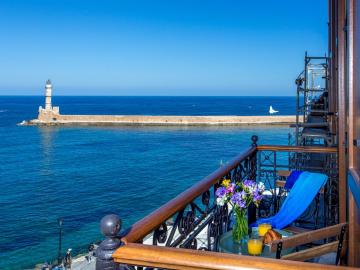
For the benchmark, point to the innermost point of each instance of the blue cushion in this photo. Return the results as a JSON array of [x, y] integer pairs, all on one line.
[[298, 200], [290, 181]]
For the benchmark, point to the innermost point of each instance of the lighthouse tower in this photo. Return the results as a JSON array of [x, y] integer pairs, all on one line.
[[48, 93], [49, 113]]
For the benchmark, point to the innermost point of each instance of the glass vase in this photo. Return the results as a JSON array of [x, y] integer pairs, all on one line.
[[240, 228]]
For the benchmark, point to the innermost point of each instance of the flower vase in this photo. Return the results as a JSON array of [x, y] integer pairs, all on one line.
[[240, 228]]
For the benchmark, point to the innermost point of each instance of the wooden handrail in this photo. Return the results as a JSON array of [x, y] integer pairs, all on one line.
[[144, 226], [186, 259], [303, 149], [308, 237]]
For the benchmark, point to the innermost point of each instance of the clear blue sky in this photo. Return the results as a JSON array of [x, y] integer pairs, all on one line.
[[185, 47]]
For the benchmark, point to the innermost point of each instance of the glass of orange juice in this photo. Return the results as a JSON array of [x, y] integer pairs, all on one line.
[[263, 228], [255, 246]]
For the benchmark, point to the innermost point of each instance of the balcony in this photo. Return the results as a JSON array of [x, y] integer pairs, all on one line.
[[184, 233]]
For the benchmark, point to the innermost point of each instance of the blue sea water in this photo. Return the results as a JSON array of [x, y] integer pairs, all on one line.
[[83, 173]]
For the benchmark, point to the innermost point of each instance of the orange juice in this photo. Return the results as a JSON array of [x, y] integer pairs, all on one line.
[[263, 228], [255, 246]]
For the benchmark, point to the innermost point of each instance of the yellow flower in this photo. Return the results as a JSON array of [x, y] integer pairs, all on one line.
[[226, 182]]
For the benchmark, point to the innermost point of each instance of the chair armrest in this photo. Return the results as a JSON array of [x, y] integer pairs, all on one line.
[[283, 173], [308, 237], [280, 183], [296, 230], [312, 252]]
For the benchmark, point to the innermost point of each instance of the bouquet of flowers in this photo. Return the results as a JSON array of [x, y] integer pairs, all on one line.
[[239, 196]]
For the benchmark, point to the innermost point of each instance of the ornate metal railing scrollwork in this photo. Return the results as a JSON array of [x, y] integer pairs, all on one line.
[[201, 222], [160, 234]]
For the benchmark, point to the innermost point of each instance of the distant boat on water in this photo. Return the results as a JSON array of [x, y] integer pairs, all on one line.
[[272, 111]]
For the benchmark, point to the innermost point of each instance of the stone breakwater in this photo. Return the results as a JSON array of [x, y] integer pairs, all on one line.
[[142, 120]]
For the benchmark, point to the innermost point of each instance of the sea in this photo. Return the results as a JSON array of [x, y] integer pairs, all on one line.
[[80, 174]]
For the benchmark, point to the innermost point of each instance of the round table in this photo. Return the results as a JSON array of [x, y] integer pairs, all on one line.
[[227, 245]]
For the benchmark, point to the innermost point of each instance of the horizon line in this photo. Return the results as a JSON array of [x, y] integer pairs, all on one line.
[[149, 95]]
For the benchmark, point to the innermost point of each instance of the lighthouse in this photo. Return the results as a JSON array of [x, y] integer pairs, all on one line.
[[49, 113], [48, 93]]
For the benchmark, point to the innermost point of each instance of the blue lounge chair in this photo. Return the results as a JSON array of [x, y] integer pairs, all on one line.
[[298, 200]]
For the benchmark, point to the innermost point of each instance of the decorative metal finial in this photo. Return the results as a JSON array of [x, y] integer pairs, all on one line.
[[254, 139], [110, 226]]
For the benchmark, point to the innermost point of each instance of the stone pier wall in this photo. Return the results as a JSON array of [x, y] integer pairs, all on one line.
[[58, 119]]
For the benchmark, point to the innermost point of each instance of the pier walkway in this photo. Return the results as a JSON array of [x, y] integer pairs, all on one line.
[[101, 120]]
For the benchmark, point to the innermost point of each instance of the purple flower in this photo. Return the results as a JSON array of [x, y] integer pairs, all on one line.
[[220, 192], [231, 187], [257, 198], [238, 200], [256, 194], [249, 183]]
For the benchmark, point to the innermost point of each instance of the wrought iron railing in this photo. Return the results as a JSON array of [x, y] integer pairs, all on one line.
[[271, 160], [192, 220], [179, 222]]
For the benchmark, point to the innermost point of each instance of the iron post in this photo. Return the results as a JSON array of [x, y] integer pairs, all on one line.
[[254, 139], [60, 223], [252, 207], [110, 226]]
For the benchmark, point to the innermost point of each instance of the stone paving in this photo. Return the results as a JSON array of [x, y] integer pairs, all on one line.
[[82, 263]]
